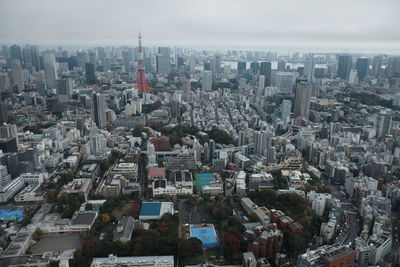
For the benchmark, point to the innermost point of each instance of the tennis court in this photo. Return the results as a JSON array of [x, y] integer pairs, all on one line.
[[203, 179]]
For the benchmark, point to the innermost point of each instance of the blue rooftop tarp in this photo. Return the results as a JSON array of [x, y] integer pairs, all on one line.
[[11, 214], [150, 209], [206, 235]]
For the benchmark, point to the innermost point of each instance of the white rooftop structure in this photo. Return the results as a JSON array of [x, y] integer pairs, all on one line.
[[148, 261]]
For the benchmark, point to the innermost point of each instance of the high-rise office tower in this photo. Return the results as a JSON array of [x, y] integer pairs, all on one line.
[[41, 82], [180, 61], [344, 67], [207, 66], [241, 67], [254, 67], [206, 80], [106, 62], [8, 131], [376, 66], [97, 144], [242, 138], [242, 83], [206, 152], [261, 82], [281, 65], [309, 68], [362, 67], [101, 51], [30, 55], [286, 107], [383, 124], [17, 76], [27, 57], [93, 58], [302, 102], [353, 77], [265, 69], [163, 60], [284, 82], [99, 110], [5, 177], [81, 59], [5, 84], [181, 66], [192, 64], [3, 112], [262, 142], [15, 52], [90, 74], [50, 71], [393, 68], [126, 59], [5, 51], [216, 64], [80, 125], [64, 89], [212, 149], [187, 90]]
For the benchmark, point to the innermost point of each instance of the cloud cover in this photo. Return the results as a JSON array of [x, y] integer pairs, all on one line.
[[339, 24]]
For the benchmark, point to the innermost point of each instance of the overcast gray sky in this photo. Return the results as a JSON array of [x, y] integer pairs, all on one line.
[[313, 24]]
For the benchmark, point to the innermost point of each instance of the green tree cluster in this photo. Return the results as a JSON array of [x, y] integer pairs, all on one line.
[[297, 208], [175, 134], [67, 177], [161, 239], [220, 136], [67, 204]]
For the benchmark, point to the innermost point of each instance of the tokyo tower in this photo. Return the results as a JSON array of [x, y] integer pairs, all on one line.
[[141, 81]]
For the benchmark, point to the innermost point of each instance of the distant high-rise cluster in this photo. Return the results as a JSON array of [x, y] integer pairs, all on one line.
[[304, 145]]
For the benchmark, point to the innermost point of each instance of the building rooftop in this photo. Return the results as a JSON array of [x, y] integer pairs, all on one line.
[[124, 228], [84, 218], [156, 172], [161, 143], [335, 252]]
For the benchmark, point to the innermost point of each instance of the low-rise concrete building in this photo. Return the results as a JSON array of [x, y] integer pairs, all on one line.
[[81, 187]]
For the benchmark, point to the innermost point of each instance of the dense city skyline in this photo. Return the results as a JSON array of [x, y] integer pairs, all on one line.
[[199, 133], [339, 26]]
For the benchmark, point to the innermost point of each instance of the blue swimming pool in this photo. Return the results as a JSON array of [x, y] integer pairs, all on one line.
[[150, 209], [206, 234]]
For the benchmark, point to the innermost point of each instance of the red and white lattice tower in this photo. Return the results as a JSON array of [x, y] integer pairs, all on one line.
[[141, 81]]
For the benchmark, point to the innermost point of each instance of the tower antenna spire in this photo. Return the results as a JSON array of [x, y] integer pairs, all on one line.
[[141, 81]]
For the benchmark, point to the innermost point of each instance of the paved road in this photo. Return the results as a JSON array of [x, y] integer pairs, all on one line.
[[349, 223], [195, 215]]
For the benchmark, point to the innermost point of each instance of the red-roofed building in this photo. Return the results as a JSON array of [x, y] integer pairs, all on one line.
[[161, 143], [156, 173]]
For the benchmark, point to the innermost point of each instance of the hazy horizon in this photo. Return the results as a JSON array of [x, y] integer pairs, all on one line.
[[304, 25]]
